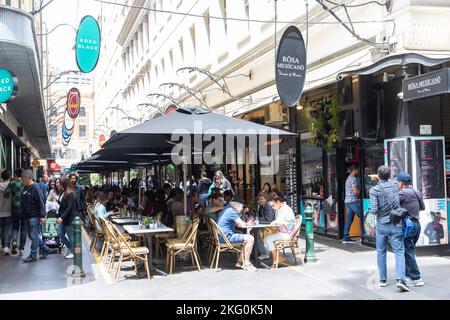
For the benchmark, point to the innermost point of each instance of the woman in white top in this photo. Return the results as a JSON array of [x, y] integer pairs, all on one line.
[[285, 219], [55, 191]]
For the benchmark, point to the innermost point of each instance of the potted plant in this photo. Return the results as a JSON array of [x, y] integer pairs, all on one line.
[[147, 221]]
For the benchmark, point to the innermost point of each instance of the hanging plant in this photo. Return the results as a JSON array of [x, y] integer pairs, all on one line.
[[324, 126]]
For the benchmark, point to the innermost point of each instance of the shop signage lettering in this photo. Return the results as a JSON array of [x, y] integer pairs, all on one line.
[[8, 86], [87, 48], [427, 85], [291, 66]]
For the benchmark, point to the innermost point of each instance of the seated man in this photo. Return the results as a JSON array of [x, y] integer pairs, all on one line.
[[228, 221], [266, 214]]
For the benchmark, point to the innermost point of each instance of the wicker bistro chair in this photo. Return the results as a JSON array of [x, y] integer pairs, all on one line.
[[115, 243], [187, 243], [126, 252], [223, 247], [281, 245], [109, 240], [91, 216], [98, 234], [161, 239]]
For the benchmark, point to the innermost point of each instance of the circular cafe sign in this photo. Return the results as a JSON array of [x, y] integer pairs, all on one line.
[[73, 103], [36, 163], [291, 66], [87, 47], [8, 86], [101, 140], [69, 123]]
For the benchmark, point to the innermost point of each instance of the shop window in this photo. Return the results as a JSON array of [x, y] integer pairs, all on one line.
[[82, 113], [373, 158], [82, 131], [312, 167]]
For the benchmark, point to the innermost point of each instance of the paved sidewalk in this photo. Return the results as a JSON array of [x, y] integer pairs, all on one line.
[[342, 272]]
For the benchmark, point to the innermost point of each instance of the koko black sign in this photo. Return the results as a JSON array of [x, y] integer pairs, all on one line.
[[291, 66], [426, 85]]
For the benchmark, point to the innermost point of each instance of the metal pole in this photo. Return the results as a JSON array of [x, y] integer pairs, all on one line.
[[77, 253], [309, 231]]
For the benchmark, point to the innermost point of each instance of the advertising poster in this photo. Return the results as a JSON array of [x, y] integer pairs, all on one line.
[[433, 222], [397, 159], [318, 214], [430, 175], [370, 220], [330, 209]]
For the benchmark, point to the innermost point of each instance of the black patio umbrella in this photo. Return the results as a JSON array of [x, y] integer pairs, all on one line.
[[161, 133]]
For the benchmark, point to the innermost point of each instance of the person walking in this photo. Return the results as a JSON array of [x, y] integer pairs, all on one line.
[[352, 204], [66, 214], [5, 215], [384, 199], [43, 184], [55, 191], [80, 197], [412, 201], [19, 222], [33, 206]]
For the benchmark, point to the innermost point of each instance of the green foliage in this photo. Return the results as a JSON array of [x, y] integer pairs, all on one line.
[[325, 126], [147, 221]]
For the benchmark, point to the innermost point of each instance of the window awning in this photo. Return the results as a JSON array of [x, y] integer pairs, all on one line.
[[394, 60]]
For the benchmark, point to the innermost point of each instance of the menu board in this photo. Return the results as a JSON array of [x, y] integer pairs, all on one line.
[[430, 168], [397, 159], [291, 182]]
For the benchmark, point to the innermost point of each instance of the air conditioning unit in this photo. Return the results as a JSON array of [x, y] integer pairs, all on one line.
[[276, 113]]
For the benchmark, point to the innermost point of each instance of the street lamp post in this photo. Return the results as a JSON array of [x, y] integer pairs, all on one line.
[[309, 230]]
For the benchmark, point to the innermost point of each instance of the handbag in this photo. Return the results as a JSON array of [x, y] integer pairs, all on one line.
[[395, 215]]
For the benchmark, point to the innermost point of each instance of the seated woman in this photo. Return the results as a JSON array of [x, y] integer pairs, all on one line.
[[149, 203], [285, 219], [100, 209], [214, 206]]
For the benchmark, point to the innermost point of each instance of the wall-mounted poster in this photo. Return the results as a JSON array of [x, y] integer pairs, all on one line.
[[430, 175], [429, 178], [396, 156]]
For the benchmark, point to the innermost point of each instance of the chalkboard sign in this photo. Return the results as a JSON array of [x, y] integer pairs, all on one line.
[[430, 168]]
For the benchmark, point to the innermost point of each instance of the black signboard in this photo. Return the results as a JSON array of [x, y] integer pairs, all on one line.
[[397, 160], [426, 85], [291, 66], [430, 168]]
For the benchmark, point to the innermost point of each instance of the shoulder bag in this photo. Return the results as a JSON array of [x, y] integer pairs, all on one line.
[[395, 215]]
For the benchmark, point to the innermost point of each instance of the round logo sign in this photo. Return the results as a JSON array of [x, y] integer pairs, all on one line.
[[87, 47], [36, 163], [101, 140], [170, 109], [73, 103], [8, 86], [69, 123], [291, 66]]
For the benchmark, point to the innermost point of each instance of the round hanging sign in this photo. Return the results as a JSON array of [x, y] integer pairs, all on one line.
[[69, 123], [64, 133], [8, 86], [101, 140], [73, 103], [87, 47], [36, 163], [291, 66], [170, 109]]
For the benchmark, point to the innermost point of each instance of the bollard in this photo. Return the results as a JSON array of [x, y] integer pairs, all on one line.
[[309, 231], [77, 254]]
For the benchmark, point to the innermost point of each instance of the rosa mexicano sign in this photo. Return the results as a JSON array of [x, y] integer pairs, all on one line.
[[87, 47], [291, 66]]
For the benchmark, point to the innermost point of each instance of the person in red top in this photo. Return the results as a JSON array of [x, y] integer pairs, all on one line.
[[149, 205]]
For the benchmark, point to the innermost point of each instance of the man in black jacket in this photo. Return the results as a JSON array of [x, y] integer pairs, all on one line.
[[33, 206], [80, 198]]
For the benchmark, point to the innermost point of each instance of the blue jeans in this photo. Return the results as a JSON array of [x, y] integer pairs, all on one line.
[[19, 223], [412, 270], [34, 228], [393, 234], [5, 231], [352, 209], [62, 231]]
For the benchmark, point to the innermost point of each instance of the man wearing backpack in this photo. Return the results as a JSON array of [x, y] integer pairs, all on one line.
[[383, 202], [412, 201]]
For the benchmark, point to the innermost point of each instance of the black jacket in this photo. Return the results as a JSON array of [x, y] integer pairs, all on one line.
[[266, 213], [33, 203], [67, 208]]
